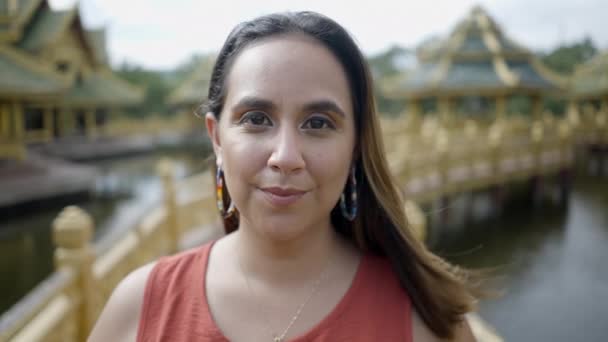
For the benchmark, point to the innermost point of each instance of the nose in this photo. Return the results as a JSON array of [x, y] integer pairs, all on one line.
[[286, 156]]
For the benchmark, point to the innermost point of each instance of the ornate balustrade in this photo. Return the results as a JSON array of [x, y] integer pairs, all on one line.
[[435, 161], [66, 304]]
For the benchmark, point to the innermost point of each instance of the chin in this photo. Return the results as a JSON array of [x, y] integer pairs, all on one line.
[[284, 228]]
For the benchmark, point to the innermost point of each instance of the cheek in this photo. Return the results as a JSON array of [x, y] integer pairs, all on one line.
[[242, 161], [330, 168]]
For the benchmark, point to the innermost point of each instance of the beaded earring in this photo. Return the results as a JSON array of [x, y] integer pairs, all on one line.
[[350, 213], [219, 187]]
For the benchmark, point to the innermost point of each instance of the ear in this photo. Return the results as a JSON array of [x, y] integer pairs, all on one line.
[[213, 131]]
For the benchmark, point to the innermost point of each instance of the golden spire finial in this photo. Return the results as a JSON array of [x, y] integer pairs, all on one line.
[[477, 10]]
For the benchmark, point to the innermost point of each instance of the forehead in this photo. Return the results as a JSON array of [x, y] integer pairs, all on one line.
[[290, 69]]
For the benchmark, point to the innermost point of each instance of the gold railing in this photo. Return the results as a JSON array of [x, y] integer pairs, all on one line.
[[66, 304], [433, 161], [590, 126], [429, 160]]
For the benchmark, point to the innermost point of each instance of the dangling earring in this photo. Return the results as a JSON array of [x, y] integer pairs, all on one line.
[[219, 183], [351, 213]]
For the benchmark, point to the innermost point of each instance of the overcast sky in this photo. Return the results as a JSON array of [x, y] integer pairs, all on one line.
[[160, 34]]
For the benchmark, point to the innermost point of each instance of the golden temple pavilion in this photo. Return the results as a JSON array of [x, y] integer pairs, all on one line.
[[55, 81], [476, 67]]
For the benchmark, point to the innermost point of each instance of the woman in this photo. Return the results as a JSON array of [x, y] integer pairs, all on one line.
[[318, 247]]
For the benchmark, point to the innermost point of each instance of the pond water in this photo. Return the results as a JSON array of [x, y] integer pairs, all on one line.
[[126, 188]]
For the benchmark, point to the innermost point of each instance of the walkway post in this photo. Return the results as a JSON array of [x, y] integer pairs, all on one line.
[[72, 233]]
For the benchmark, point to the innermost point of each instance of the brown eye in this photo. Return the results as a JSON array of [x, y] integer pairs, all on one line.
[[318, 123], [256, 119]]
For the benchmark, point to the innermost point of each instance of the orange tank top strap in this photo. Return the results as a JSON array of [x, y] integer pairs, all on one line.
[[174, 304]]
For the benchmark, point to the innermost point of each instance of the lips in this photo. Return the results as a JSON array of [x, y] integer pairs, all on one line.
[[282, 196]]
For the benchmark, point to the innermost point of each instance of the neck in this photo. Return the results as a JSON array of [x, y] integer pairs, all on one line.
[[287, 261]]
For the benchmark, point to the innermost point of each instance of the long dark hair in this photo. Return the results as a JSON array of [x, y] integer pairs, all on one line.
[[437, 289]]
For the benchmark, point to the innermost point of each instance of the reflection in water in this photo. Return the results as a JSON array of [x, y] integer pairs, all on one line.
[[552, 264], [126, 189]]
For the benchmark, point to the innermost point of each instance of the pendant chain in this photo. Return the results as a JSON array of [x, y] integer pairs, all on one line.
[[315, 288]]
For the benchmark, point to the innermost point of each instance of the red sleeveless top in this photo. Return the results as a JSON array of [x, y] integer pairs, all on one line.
[[374, 308]]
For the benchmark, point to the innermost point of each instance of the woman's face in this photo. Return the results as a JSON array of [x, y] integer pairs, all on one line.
[[286, 135]]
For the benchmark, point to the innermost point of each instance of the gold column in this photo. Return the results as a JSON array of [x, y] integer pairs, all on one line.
[[445, 108], [90, 126], [5, 122], [66, 121], [18, 122], [537, 107], [18, 137], [573, 114], [61, 122], [112, 117], [47, 123], [72, 122], [501, 107], [572, 106], [414, 110]]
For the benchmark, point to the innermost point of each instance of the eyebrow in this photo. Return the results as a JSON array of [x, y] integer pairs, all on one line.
[[255, 102], [324, 106], [267, 105]]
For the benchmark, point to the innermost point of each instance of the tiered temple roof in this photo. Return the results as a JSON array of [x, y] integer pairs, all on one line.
[[16, 14], [25, 77], [46, 28], [97, 42], [49, 52], [103, 88], [477, 59], [193, 90]]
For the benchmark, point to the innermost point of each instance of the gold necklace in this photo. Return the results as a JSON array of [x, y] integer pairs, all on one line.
[[315, 287]]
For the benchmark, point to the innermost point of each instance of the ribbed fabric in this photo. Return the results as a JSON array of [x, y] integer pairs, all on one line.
[[375, 307]]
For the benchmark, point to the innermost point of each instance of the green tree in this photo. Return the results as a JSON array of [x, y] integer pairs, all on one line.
[[564, 60], [156, 86], [566, 57], [385, 65], [184, 70]]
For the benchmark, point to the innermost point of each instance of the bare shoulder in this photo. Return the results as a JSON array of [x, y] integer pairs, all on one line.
[[420, 330], [120, 317], [463, 332], [422, 333]]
